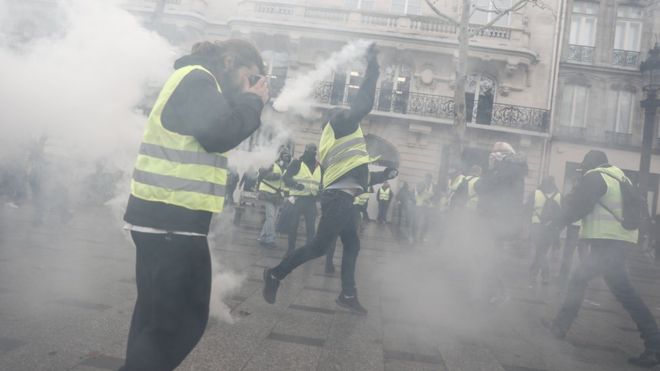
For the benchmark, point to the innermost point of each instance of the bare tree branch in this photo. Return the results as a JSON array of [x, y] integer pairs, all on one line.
[[517, 6], [441, 14]]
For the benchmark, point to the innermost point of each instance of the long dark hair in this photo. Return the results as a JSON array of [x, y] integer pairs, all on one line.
[[244, 53]]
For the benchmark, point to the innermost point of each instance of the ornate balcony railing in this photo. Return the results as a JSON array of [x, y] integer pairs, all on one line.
[[625, 58], [581, 54], [365, 20], [434, 106]]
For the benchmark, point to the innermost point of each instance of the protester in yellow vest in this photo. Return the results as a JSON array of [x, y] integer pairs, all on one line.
[[424, 197], [271, 194], [207, 107], [384, 196], [545, 204], [303, 179], [344, 161], [599, 202]]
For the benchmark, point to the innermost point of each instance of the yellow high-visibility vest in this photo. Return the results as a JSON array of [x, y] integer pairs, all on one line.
[[361, 199], [311, 181], [473, 197], [600, 223], [175, 169], [339, 156], [272, 186], [425, 196], [384, 194], [539, 202]]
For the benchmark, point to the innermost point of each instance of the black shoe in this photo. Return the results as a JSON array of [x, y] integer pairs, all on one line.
[[271, 284], [329, 269], [268, 245], [351, 303], [647, 359], [556, 331]]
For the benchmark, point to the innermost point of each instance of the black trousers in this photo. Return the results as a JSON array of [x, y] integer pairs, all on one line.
[[570, 245], [607, 258], [542, 239], [305, 206], [337, 219], [173, 275], [383, 206]]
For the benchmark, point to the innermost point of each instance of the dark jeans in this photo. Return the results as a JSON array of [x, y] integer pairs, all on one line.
[[173, 275], [383, 206], [607, 258], [337, 219], [305, 206], [570, 245], [542, 240]]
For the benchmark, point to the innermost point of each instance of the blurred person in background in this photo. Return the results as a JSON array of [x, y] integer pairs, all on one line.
[[271, 193], [545, 204], [303, 179], [598, 201], [384, 197], [232, 183], [424, 201], [249, 180], [403, 211], [209, 105], [571, 243], [500, 208]]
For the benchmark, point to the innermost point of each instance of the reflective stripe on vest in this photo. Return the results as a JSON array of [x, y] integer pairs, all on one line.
[[361, 199], [311, 181], [425, 196], [473, 197], [539, 203], [339, 156], [600, 223], [173, 168], [384, 195], [272, 186]]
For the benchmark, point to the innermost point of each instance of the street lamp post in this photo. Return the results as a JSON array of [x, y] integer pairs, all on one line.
[[650, 69]]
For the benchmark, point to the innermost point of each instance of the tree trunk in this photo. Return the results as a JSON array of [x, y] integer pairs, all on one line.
[[460, 79]]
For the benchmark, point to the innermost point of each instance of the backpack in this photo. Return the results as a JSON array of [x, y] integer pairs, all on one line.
[[551, 209], [633, 205]]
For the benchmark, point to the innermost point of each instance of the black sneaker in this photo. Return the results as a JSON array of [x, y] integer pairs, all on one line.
[[351, 303], [647, 359], [555, 330], [271, 284]]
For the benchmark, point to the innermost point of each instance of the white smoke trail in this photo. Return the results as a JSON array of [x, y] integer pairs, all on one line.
[[296, 95], [225, 283]]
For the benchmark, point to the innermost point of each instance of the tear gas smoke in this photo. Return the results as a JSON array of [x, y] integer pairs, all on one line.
[[296, 94], [225, 283]]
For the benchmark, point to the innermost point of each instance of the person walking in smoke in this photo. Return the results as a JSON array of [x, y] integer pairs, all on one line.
[[424, 198], [344, 159], [384, 197], [271, 194], [361, 203], [545, 204], [207, 107], [303, 178], [500, 208], [598, 201]]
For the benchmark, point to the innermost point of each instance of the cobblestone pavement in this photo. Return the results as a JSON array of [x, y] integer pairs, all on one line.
[[67, 291]]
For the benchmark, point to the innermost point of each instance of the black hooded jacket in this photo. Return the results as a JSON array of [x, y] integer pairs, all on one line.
[[219, 122]]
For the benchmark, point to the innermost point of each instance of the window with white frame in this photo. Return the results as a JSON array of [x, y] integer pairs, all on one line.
[[628, 32], [413, 7], [359, 4], [485, 11], [622, 109], [574, 106], [583, 24]]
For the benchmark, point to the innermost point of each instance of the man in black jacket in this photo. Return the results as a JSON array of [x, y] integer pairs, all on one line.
[[338, 194], [303, 177], [207, 107], [595, 200]]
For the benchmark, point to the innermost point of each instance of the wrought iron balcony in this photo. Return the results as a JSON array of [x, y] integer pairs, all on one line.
[[434, 106], [625, 58], [581, 54]]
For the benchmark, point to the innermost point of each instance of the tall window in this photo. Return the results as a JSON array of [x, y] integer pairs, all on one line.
[[345, 86], [621, 110], [359, 4], [487, 10], [628, 28], [395, 89], [479, 99], [413, 7], [574, 106], [583, 24]]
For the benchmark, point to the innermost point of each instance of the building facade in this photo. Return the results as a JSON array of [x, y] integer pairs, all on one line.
[[510, 68], [600, 88]]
